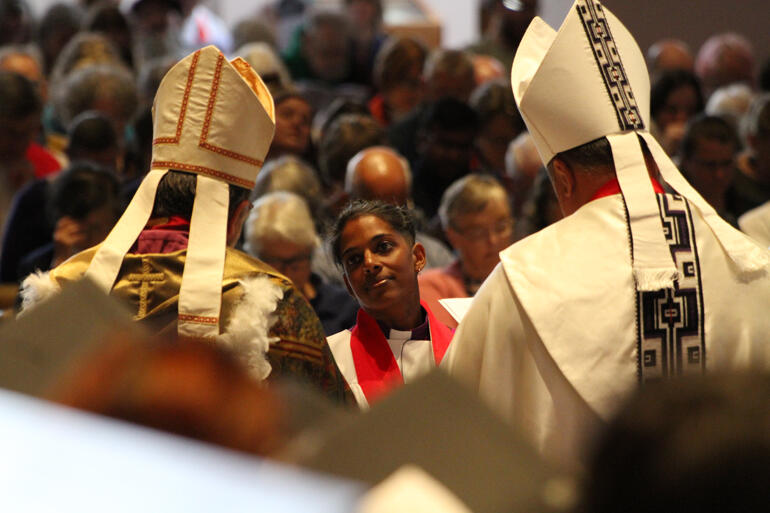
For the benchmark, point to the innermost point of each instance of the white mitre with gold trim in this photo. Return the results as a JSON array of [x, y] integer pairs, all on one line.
[[214, 118], [589, 80]]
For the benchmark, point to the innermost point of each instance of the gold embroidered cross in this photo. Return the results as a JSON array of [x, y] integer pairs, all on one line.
[[145, 278]]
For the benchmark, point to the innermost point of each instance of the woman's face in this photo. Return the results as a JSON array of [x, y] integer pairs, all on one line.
[[480, 237], [292, 126], [681, 104], [380, 266], [290, 259]]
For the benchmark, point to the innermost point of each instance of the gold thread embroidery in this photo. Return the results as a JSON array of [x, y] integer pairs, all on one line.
[[248, 184], [198, 319], [185, 101], [203, 143], [144, 278]]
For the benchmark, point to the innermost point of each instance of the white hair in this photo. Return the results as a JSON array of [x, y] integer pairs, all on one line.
[[279, 215]]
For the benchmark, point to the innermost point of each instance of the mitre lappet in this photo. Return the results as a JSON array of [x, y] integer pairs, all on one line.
[[214, 118], [608, 96]]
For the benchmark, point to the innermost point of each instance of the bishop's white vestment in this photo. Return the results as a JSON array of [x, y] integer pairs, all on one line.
[[558, 335]]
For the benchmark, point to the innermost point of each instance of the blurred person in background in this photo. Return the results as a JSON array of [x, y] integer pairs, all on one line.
[[499, 124], [397, 76], [447, 73], [445, 152], [59, 23], [293, 117], [92, 141], [707, 159], [346, 135], [751, 185], [675, 97], [731, 103], [292, 174], [20, 109], [476, 217], [253, 29], [83, 205], [522, 164], [703, 442], [725, 59], [540, 207], [187, 387], [669, 55], [15, 22], [280, 232], [368, 35], [106, 18], [503, 25], [26, 60]]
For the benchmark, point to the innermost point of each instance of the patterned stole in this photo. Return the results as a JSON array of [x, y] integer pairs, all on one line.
[[376, 367]]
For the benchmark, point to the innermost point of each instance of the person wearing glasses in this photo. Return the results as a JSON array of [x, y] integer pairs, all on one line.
[[475, 214], [280, 232]]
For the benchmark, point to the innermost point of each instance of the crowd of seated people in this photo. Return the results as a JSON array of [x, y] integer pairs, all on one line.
[[378, 137]]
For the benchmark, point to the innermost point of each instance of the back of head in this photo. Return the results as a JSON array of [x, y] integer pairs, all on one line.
[[449, 73], [18, 97], [702, 442], [57, 26], [757, 121], [346, 136], [668, 55], [731, 103], [495, 98], [252, 30], [279, 217], [468, 195], [379, 173], [451, 115], [291, 174], [90, 131], [397, 60], [80, 189], [725, 59], [707, 127], [103, 87], [84, 50]]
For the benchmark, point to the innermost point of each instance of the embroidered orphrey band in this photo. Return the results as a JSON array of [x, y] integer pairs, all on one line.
[[671, 337], [609, 63]]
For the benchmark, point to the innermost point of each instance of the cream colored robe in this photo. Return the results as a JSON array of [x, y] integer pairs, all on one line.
[[551, 341]]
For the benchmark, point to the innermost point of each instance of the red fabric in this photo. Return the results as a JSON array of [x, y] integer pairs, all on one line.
[[162, 238], [44, 163], [613, 187], [377, 108], [376, 367]]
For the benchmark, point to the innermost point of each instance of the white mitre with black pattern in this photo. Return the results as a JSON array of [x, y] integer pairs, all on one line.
[[589, 80], [214, 118]]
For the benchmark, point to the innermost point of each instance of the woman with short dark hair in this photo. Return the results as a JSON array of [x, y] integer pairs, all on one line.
[[396, 338]]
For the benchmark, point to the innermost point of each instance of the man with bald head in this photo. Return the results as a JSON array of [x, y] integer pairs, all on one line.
[[669, 54], [380, 173]]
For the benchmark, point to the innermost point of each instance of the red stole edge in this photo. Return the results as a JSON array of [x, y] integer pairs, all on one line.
[[376, 367]]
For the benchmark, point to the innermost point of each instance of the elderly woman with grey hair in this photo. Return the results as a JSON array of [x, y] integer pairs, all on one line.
[[475, 214], [281, 233]]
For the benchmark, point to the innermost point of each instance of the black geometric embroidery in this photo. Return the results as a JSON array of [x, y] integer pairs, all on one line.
[[670, 339], [609, 63]]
